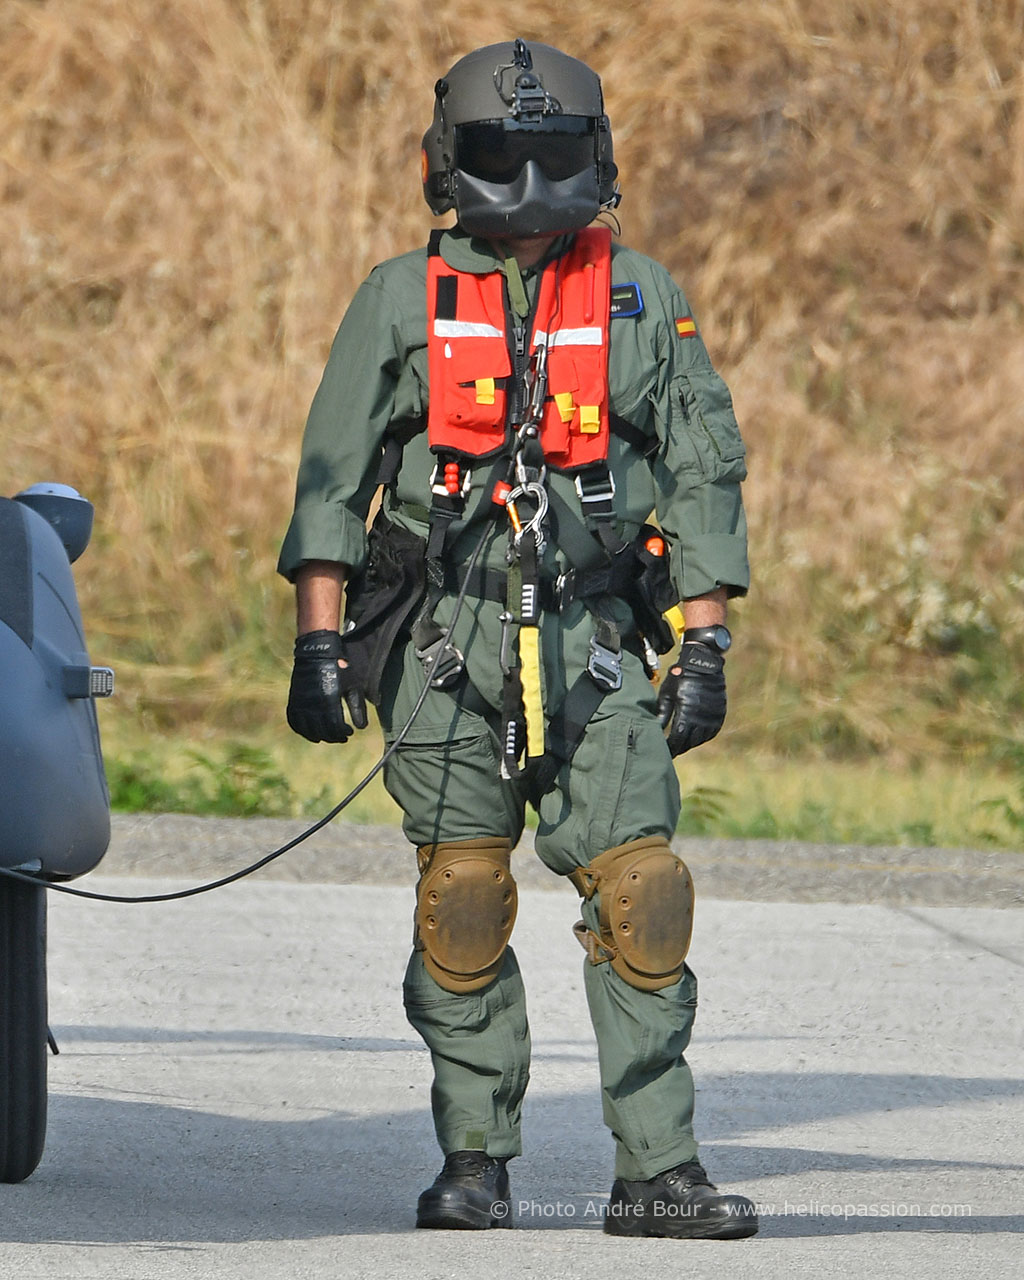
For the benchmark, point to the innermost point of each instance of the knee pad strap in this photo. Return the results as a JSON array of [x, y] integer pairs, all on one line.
[[645, 912], [466, 904]]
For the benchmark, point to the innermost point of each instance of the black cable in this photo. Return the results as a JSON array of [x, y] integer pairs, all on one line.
[[317, 826]]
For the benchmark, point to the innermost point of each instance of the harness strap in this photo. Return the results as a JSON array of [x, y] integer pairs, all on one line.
[[400, 433], [645, 445], [568, 725], [555, 595], [446, 508]]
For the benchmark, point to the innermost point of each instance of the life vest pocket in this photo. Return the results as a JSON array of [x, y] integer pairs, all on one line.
[[474, 397]]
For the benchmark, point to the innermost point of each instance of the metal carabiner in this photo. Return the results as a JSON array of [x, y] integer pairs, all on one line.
[[536, 491], [538, 383], [525, 474]]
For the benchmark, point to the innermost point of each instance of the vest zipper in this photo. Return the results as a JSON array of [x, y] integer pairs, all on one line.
[[520, 364], [518, 331]]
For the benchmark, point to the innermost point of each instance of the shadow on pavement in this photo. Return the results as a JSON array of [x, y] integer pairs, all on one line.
[[125, 1170]]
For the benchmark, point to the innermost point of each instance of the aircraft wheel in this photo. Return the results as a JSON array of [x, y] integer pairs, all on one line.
[[23, 1028]]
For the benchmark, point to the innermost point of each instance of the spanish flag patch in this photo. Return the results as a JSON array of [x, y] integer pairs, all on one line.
[[686, 327]]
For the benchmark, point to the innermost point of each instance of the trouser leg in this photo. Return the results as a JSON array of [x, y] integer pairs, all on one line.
[[447, 783], [479, 1044], [622, 787], [646, 1086]]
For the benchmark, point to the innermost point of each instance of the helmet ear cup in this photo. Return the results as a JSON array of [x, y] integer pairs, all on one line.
[[607, 170], [436, 170]]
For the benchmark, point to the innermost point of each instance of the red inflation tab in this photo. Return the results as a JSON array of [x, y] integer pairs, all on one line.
[[686, 327]]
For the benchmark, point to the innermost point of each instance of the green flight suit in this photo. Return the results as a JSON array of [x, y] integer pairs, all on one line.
[[621, 784]]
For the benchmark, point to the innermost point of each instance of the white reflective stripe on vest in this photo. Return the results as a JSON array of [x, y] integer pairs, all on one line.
[[465, 329], [590, 337]]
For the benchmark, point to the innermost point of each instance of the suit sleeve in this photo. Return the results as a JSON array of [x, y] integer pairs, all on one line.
[[341, 447], [701, 462]]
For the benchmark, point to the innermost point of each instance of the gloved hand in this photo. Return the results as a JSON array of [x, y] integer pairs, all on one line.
[[318, 687], [691, 703]]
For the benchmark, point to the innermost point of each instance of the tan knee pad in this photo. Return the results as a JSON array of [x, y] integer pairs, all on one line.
[[645, 912], [465, 908]]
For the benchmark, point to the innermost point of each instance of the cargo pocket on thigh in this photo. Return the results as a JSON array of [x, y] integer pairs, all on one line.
[[637, 791], [608, 786], [621, 786], [452, 790]]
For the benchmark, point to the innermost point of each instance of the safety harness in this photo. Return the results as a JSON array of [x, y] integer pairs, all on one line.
[[519, 391]]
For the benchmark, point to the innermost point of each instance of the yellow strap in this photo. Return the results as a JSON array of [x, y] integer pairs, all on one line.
[[533, 706], [565, 405], [590, 419], [676, 620], [485, 391]]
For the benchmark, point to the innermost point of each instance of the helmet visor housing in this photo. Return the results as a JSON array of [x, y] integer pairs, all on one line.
[[496, 150]]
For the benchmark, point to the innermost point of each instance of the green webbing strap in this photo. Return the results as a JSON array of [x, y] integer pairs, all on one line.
[[516, 289], [572, 535]]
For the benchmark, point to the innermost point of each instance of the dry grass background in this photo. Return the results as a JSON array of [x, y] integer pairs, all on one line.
[[190, 193]]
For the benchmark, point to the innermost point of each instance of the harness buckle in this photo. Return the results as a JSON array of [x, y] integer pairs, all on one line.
[[442, 663], [563, 590], [604, 666], [597, 487], [505, 650]]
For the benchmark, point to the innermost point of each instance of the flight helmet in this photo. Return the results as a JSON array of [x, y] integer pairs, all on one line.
[[520, 144]]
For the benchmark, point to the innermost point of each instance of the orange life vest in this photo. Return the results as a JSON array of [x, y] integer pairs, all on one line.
[[471, 369]]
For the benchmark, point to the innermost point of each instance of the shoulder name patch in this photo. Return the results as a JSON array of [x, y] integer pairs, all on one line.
[[626, 300]]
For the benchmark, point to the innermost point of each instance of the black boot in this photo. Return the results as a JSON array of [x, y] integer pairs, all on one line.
[[470, 1193], [681, 1203]]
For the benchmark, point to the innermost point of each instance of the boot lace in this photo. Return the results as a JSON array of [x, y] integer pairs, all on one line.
[[467, 1164], [685, 1176]]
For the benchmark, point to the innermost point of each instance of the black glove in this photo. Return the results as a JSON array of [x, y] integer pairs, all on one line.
[[318, 686], [692, 703]]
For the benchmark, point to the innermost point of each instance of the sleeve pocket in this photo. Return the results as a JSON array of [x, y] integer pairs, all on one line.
[[705, 409]]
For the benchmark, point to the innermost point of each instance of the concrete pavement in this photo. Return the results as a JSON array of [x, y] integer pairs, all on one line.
[[238, 1093]]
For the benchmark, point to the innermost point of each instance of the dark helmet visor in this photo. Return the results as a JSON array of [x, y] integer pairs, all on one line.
[[496, 150]]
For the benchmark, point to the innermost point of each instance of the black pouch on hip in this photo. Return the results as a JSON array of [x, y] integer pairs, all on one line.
[[380, 600], [653, 593]]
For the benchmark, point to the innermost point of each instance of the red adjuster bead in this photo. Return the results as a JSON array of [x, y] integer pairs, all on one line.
[[501, 491]]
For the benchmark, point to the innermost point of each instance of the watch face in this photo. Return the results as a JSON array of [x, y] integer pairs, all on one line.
[[715, 637], [722, 639]]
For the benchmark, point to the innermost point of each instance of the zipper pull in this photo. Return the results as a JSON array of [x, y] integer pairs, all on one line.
[[519, 334]]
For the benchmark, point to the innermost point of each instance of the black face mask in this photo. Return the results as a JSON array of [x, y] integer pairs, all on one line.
[[496, 150]]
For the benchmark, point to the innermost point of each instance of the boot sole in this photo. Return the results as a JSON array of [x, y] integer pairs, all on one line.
[[638, 1228]]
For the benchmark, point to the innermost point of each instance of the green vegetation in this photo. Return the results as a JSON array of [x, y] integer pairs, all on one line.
[[726, 792], [192, 193], [269, 774], [244, 783], [1008, 811]]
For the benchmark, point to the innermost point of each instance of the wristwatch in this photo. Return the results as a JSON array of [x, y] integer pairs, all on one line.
[[717, 637]]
